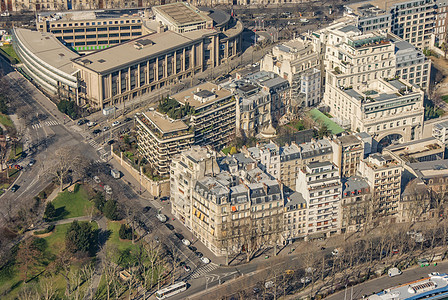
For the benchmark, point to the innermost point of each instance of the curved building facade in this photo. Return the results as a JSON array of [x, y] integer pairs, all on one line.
[[47, 62]]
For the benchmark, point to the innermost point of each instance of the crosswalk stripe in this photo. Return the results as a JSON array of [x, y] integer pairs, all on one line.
[[204, 270]]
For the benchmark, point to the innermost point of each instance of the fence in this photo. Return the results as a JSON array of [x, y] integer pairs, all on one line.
[[155, 188]]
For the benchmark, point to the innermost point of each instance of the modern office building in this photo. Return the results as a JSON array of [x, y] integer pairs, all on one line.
[[210, 120], [298, 62], [320, 185], [86, 31], [47, 62], [384, 174], [386, 110]]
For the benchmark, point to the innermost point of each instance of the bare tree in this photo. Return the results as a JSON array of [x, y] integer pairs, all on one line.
[[66, 160], [27, 256], [46, 284]]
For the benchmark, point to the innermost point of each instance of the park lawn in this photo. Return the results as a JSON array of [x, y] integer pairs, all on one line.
[[8, 49], [72, 205], [17, 152], [445, 98], [115, 242], [6, 121]]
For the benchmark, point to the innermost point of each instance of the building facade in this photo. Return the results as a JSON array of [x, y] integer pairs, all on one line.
[[440, 131], [356, 204], [320, 185], [47, 62], [295, 217], [348, 151]]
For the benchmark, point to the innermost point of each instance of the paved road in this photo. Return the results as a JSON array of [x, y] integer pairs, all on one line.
[[379, 284]]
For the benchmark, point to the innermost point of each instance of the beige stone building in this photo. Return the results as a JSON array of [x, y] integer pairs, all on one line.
[[356, 204], [295, 217], [348, 151], [384, 174]]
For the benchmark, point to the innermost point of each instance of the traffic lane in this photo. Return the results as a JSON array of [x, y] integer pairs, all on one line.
[[377, 285]]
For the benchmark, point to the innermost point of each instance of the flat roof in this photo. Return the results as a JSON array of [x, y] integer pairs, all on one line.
[[206, 88], [384, 5], [127, 53], [348, 140], [47, 48], [164, 123], [181, 13]]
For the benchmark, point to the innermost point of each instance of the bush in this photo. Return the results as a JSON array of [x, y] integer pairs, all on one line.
[[81, 237], [49, 229], [76, 188], [69, 108], [125, 232]]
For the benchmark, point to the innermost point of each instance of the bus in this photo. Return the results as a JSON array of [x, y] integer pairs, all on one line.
[[171, 290]]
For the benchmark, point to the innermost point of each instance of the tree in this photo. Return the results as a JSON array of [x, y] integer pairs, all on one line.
[[323, 131], [125, 232], [66, 161], [99, 201], [50, 212], [233, 150], [80, 237], [110, 210], [27, 256]]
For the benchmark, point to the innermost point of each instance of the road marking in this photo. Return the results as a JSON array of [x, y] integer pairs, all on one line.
[[203, 270]]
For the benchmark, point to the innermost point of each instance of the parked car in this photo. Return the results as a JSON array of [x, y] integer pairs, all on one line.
[[14, 188], [186, 242], [205, 260], [335, 252], [392, 272], [127, 120], [96, 131], [110, 142], [115, 173], [165, 198], [192, 248], [116, 123], [90, 124], [199, 254], [108, 189], [269, 284], [161, 217], [187, 268], [106, 128], [82, 122], [169, 226], [179, 235], [146, 209], [32, 162], [255, 290]]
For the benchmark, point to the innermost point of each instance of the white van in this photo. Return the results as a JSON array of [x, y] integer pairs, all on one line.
[[161, 217], [394, 272], [115, 173]]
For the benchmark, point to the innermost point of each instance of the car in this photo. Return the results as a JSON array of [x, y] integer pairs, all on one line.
[[116, 123], [434, 274], [18, 167], [199, 254], [90, 124], [392, 272], [305, 280], [32, 162], [255, 290], [146, 209], [165, 198], [106, 128], [322, 248], [110, 142], [205, 260], [192, 248], [156, 238], [127, 120], [161, 217], [269, 284], [395, 251], [179, 235], [96, 131], [169, 226], [187, 268], [14, 188], [82, 122], [335, 252], [108, 189], [186, 242], [96, 179]]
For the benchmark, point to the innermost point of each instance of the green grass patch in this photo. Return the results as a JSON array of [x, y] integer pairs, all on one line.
[[9, 50], [226, 150], [16, 151], [115, 244], [72, 204], [6, 121], [298, 125], [445, 98]]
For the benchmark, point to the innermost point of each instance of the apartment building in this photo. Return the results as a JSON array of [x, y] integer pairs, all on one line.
[[434, 174], [253, 107], [440, 30], [413, 21], [227, 216], [383, 173], [86, 31], [295, 217], [415, 202], [320, 185], [356, 205], [440, 131], [159, 138], [186, 169], [284, 162], [348, 151], [298, 62], [386, 110], [210, 121]]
